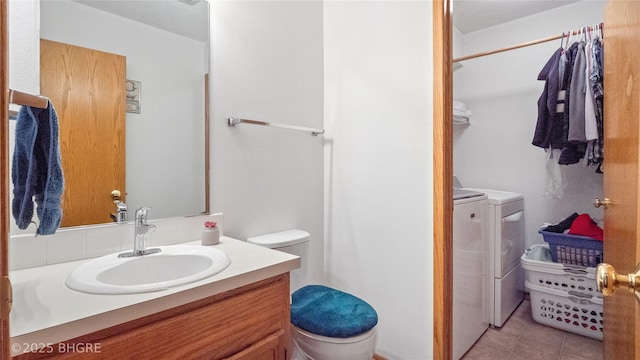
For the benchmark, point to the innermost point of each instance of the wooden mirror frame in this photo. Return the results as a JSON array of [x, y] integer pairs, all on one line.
[[4, 186]]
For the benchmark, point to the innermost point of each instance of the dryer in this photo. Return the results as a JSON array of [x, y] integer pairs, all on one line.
[[470, 277], [506, 234]]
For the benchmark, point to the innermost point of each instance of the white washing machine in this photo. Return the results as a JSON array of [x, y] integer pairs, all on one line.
[[470, 277], [506, 234]]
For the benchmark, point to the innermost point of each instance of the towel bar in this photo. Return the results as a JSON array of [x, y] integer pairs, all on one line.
[[22, 98], [237, 121]]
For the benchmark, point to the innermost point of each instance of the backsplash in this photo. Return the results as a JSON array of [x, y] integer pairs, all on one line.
[[84, 242]]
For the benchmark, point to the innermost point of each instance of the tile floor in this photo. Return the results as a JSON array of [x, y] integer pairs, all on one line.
[[521, 338]]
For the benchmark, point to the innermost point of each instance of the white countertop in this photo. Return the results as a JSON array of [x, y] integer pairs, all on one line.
[[46, 311]]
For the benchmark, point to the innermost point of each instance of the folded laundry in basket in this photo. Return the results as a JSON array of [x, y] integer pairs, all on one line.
[[539, 253], [585, 226], [563, 225]]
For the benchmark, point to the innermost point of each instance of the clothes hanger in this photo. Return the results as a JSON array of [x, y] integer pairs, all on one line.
[[601, 30], [566, 45]]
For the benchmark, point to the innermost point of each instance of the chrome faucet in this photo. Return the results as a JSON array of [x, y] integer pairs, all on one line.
[[141, 231]]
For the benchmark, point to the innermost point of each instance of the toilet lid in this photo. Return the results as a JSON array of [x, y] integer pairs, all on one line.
[[329, 312]]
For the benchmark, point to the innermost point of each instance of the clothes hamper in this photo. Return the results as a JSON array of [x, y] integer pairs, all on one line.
[[574, 249], [563, 296]]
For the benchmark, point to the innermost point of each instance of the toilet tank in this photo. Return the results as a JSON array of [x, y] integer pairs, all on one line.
[[295, 242]]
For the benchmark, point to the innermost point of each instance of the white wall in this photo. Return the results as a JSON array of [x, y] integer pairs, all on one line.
[[24, 49], [24, 53], [24, 63], [377, 150], [502, 91], [165, 142], [378, 165], [458, 43], [266, 61]]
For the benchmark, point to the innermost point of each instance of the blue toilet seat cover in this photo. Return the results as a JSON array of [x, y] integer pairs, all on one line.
[[329, 312]]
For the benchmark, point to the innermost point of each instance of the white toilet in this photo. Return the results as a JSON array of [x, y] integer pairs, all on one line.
[[315, 308]]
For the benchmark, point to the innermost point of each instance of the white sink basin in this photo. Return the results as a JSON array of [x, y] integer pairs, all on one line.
[[173, 266]]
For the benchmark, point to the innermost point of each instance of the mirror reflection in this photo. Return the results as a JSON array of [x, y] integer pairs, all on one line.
[[162, 136]]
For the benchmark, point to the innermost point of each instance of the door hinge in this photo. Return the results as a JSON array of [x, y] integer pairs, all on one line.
[[6, 297]]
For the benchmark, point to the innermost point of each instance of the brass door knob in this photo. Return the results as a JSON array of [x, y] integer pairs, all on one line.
[[597, 202], [115, 195], [608, 280]]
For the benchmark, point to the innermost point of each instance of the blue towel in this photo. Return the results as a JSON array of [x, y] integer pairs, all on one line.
[[329, 312], [37, 169]]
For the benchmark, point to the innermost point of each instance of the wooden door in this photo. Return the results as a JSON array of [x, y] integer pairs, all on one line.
[[87, 89], [621, 177]]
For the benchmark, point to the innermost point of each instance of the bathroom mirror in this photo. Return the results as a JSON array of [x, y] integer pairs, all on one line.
[[165, 137]]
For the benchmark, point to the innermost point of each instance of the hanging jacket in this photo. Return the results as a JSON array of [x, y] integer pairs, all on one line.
[[548, 132], [596, 83], [577, 101], [571, 152]]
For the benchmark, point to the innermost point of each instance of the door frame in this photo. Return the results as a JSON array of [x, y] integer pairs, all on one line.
[[442, 179], [5, 288], [443, 187]]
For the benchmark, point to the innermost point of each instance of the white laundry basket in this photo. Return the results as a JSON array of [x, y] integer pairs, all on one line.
[[571, 278], [564, 297]]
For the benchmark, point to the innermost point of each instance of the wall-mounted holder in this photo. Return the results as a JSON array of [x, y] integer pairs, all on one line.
[[121, 214], [237, 121]]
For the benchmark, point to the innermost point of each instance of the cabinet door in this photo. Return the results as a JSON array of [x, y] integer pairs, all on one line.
[[249, 323], [266, 349]]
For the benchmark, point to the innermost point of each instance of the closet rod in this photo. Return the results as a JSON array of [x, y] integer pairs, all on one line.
[[22, 98], [534, 42]]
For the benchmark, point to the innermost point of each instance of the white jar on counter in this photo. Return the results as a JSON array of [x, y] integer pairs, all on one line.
[[210, 234]]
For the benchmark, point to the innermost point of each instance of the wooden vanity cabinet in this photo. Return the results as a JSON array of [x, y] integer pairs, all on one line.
[[247, 323]]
